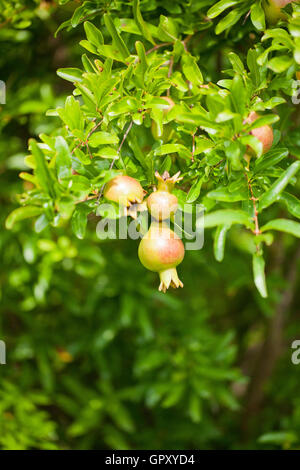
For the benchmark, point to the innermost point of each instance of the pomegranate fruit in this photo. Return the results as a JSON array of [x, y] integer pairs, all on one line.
[[163, 134], [162, 203], [161, 250], [273, 9], [126, 191], [264, 133]]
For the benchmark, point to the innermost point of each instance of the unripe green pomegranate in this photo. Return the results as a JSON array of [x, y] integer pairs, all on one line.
[[124, 190], [264, 133], [161, 250], [273, 10], [162, 203], [163, 134]]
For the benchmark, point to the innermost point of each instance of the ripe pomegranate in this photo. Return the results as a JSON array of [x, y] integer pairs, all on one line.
[[264, 133], [273, 9], [161, 203], [165, 133], [126, 191], [161, 250]]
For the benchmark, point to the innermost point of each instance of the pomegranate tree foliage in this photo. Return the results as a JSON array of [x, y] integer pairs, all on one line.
[[129, 64], [118, 362]]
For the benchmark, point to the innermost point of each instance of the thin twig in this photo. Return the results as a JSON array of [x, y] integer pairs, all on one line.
[[89, 151], [119, 150], [158, 46], [8, 20], [122, 142], [270, 351], [87, 199], [246, 17], [170, 72], [77, 146], [193, 147], [94, 128], [253, 199], [186, 40], [82, 144]]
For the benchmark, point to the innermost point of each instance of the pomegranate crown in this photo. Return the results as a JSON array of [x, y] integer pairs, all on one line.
[[167, 182]]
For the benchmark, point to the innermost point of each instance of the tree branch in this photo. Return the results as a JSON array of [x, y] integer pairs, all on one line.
[[119, 150], [270, 350]]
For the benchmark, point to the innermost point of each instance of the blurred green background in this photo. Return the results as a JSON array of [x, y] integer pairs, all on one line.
[[96, 357]]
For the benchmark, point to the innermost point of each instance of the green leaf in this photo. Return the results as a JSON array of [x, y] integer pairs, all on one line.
[[116, 36], [263, 121], [219, 241], [280, 63], [284, 438], [63, 158], [200, 120], [112, 52], [223, 194], [233, 153], [258, 16], [258, 264], [254, 143], [283, 225], [71, 74], [229, 20], [140, 22], [89, 46], [88, 64], [292, 203], [79, 220], [22, 213], [272, 195], [142, 66], [71, 114], [194, 191], [65, 24], [280, 35], [270, 158], [41, 223], [195, 409], [169, 148], [107, 152], [202, 144], [191, 70], [129, 25], [175, 394], [238, 95], [42, 171], [219, 7], [227, 217], [124, 106], [236, 63], [102, 138], [138, 152], [93, 34], [167, 29]]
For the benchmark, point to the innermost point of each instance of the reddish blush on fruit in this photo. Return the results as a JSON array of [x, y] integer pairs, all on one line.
[[161, 250], [264, 133]]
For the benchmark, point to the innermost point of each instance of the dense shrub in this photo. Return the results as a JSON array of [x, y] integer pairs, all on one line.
[[96, 356]]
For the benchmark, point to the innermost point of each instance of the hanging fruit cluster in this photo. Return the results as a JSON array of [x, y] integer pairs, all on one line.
[[160, 250]]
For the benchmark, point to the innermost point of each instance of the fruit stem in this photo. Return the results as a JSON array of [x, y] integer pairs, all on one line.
[[119, 150], [253, 199]]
